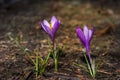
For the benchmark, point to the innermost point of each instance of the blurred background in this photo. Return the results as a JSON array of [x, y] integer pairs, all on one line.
[[20, 18], [25, 14]]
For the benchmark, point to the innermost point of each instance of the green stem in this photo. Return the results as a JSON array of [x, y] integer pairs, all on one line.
[[47, 57], [56, 64], [54, 53], [37, 64], [30, 58], [23, 49], [43, 64], [88, 64], [55, 56]]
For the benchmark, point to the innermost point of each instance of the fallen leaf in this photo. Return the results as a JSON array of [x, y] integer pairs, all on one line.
[[106, 30]]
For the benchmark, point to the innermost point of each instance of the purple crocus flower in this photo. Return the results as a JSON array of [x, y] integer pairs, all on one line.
[[85, 36], [51, 28]]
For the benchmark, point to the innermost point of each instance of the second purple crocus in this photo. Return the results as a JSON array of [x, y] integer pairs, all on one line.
[[51, 28], [85, 37]]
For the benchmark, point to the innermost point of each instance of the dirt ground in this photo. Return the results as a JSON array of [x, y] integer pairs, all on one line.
[[22, 20]]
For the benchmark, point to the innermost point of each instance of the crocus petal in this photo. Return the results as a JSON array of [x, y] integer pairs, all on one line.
[[55, 27], [45, 22], [85, 37], [86, 32], [91, 32], [53, 20], [47, 29], [41, 23], [81, 36], [51, 28]]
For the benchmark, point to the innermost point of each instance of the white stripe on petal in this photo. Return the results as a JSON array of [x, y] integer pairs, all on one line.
[[90, 34], [43, 26], [45, 22], [53, 20], [86, 32]]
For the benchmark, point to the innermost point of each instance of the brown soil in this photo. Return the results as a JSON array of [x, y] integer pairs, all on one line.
[[22, 19]]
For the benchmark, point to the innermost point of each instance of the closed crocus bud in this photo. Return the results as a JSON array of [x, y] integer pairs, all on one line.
[[85, 37]]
